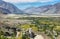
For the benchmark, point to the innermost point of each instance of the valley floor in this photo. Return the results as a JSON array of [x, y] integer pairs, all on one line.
[[48, 27]]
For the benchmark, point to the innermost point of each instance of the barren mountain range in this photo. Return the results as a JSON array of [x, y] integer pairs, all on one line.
[[8, 8]]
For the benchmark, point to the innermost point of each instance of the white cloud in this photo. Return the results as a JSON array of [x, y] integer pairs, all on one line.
[[17, 1]]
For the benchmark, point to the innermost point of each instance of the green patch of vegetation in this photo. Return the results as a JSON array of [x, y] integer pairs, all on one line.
[[49, 25]]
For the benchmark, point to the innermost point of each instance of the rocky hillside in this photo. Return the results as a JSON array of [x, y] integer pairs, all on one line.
[[7, 8], [47, 9]]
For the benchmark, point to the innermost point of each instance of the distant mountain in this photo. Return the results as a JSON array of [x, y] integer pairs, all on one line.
[[4, 11], [8, 8], [47, 9]]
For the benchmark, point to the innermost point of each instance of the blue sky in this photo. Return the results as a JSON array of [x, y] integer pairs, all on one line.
[[22, 4]]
